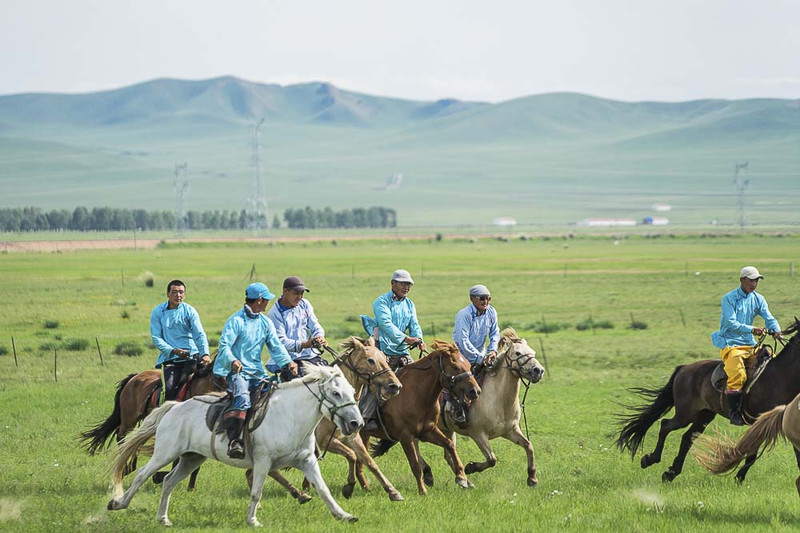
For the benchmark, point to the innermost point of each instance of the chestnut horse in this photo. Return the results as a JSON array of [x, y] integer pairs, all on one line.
[[697, 402], [720, 455], [413, 413], [364, 366]]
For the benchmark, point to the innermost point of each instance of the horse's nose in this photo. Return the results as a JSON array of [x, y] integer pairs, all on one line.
[[536, 374], [355, 425], [393, 389], [472, 393]]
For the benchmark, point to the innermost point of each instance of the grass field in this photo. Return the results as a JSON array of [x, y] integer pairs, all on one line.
[[672, 284]]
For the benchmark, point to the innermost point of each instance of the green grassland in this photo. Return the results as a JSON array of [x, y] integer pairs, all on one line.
[[673, 285]]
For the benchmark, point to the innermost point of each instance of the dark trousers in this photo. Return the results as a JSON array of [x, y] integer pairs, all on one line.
[[285, 375], [175, 376]]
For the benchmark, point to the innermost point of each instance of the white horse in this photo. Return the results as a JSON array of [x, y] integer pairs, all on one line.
[[496, 412], [285, 438]]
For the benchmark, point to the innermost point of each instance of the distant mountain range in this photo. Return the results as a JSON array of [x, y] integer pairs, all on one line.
[[544, 159]]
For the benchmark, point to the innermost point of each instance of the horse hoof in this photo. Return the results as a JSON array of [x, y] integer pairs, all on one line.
[[158, 477], [532, 482], [112, 505], [395, 497], [349, 518], [347, 490], [254, 523], [303, 498], [165, 522], [668, 476], [427, 478], [470, 468], [464, 483]]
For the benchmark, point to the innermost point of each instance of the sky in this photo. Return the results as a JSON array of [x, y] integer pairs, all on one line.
[[479, 50]]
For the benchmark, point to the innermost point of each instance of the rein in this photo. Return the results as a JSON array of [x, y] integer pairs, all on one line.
[[333, 409], [344, 360], [526, 382]]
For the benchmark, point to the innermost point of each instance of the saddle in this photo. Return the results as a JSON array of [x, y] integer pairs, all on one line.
[[220, 402], [754, 366]]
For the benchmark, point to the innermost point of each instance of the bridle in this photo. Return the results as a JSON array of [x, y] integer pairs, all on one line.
[[322, 398], [515, 366], [449, 380], [368, 377]]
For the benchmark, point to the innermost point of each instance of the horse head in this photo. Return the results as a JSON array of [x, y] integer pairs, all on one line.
[[519, 358], [370, 367], [455, 374], [336, 397]]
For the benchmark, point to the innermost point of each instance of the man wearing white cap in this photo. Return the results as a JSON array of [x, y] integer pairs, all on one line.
[[396, 321], [473, 325], [239, 359], [735, 336], [296, 326]]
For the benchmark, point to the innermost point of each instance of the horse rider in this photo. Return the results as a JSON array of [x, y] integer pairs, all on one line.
[[179, 337], [395, 329], [239, 359], [473, 325], [735, 336], [297, 327]]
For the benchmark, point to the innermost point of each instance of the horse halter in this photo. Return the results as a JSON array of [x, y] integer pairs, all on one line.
[[520, 361], [448, 380], [368, 377], [333, 408]]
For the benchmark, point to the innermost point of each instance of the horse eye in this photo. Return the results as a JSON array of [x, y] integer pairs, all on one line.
[[336, 393], [371, 361]]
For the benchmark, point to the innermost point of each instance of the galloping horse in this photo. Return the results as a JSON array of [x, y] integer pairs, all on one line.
[[697, 402], [414, 412], [496, 413], [718, 455], [284, 439], [364, 366]]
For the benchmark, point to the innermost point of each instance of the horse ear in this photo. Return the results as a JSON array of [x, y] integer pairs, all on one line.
[[357, 343], [370, 342]]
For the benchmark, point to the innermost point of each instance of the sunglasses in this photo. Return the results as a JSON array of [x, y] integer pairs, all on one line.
[[483, 298]]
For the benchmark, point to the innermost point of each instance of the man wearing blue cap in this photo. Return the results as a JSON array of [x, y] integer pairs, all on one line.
[[735, 335], [473, 325], [179, 337], [239, 359], [296, 326]]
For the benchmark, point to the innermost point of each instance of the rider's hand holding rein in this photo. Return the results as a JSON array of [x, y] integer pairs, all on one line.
[[236, 366]]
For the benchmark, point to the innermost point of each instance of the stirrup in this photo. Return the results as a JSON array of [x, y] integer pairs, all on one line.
[[235, 450]]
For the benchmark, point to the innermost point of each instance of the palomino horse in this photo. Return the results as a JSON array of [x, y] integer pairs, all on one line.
[[496, 413], [697, 402], [413, 413], [720, 455], [364, 366], [284, 439]]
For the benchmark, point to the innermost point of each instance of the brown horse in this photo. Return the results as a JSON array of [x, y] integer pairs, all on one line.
[[720, 455], [364, 366], [413, 413], [697, 402]]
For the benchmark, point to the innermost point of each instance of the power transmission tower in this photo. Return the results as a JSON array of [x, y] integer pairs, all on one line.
[[181, 186], [257, 201], [742, 185]]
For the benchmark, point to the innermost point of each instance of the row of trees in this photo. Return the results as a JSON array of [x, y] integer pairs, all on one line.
[[24, 219], [374, 217]]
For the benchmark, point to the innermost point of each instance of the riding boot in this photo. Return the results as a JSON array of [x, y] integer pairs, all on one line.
[[236, 444], [457, 411], [734, 407]]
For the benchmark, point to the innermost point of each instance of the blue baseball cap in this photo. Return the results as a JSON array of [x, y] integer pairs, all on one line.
[[258, 290]]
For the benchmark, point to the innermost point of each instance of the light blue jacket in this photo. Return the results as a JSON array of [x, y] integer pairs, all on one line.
[[243, 338], [738, 311], [393, 318], [177, 328], [471, 330], [294, 326]]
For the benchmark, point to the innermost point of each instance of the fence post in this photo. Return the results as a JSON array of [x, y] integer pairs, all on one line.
[[544, 359], [55, 364], [14, 349], [99, 352], [791, 269], [683, 319]]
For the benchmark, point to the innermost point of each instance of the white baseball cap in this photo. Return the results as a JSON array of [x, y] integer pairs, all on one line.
[[402, 276], [750, 272]]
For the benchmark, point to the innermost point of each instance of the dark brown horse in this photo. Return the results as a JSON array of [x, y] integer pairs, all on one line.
[[697, 402], [414, 413]]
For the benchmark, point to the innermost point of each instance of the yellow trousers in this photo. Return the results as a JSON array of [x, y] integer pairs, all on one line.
[[733, 358]]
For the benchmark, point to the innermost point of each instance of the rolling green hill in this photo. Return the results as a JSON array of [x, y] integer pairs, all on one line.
[[549, 159]]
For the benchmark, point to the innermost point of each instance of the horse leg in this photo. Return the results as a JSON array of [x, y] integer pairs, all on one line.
[[339, 448], [158, 477], [412, 455], [515, 435], [297, 494], [364, 458], [260, 471], [452, 436], [797, 458], [188, 463], [435, 436], [742, 472], [310, 468], [155, 463], [482, 442], [668, 425], [193, 479], [686, 442]]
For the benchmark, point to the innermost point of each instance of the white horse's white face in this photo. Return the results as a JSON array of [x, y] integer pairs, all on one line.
[[338, 402], [522, 358]]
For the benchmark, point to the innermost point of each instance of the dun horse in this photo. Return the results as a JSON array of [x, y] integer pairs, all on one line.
[[718, 455], [413, 413], [697, 402], [496, 413], [284, 439]]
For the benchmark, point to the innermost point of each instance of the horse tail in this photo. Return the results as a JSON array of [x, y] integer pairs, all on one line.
[[381, 447], [720, 454], [133, 441], [99, 437], [635, 426]]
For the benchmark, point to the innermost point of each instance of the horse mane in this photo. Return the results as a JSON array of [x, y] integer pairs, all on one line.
[[510, 334], [313, 374], [350, 344]]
